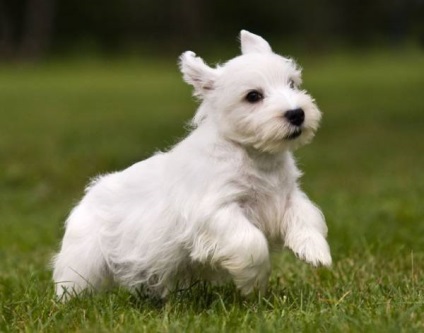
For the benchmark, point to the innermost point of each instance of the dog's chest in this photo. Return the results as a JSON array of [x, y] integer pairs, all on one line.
[[264, 201]]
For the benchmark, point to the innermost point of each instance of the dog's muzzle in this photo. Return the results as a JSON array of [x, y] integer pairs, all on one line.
[[296, 133]]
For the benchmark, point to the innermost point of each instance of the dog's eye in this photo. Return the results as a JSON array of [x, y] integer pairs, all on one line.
[[254, 96], [292, 84]]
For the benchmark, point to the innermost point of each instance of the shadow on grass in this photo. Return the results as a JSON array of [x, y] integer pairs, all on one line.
[[202, 297]]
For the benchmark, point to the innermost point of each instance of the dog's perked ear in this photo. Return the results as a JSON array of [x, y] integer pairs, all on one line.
[[251, 43], [197, 73]]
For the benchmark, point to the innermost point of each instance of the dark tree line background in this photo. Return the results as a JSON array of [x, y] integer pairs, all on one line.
[[32, 29]]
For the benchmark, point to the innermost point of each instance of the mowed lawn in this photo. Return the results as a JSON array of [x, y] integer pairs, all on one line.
[[63, 123]]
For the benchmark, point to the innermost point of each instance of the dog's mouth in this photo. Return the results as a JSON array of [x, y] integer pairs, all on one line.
[[296, 133]]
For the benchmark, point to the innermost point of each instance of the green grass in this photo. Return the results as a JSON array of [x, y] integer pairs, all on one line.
[[62, 123]]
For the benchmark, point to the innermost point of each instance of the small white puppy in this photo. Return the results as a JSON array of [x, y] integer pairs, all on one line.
[[212, 206]]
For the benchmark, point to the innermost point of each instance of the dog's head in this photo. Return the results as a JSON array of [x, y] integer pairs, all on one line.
[[255, 99]]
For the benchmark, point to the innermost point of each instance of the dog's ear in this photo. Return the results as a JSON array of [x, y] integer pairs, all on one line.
[[251, 43], [197, 73]]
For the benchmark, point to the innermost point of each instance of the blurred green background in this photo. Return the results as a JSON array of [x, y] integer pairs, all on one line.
[[33, 29], [88, 87]]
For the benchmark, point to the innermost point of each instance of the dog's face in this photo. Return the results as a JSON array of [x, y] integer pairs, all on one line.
[[255, 99]]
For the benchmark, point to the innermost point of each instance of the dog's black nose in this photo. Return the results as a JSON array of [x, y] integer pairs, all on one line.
[[295, 116]]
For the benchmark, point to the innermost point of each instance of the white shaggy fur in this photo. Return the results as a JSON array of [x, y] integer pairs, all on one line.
[[212, 206]]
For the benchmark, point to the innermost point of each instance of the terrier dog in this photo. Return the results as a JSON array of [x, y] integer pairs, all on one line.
[[212, 206]]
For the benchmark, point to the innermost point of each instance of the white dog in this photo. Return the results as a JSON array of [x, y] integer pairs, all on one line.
[[212, 206]]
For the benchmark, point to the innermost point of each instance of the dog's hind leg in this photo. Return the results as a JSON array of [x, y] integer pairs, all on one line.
[[80, 264]]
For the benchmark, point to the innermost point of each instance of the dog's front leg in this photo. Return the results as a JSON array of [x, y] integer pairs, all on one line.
[[304, 230], [230, 241]]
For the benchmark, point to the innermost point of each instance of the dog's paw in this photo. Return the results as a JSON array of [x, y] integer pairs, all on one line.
[[257, 281], [313, 249]]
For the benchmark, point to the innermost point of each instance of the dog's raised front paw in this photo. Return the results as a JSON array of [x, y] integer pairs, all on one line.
[[313, 249]]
